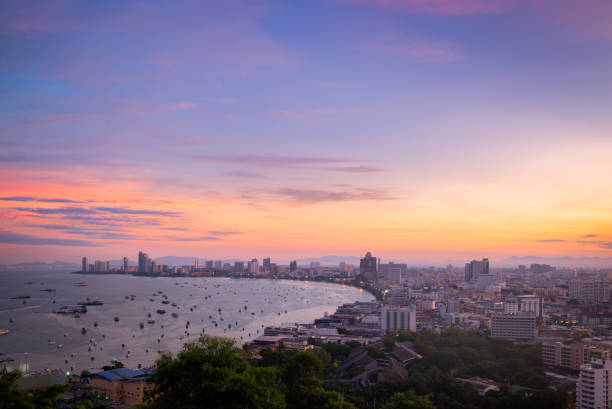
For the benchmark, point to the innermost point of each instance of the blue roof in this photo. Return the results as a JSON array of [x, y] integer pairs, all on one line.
[[119, 374]]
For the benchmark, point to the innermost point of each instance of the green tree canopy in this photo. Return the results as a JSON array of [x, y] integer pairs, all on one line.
[[212, 372], [408, 401]]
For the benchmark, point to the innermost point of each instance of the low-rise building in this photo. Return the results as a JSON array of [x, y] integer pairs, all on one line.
[[397, 318], [120, 385], [513, 326]]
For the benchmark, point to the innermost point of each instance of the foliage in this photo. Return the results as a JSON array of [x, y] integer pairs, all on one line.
[[115, 365], [214, 371], [304, 388], [408, 401], [471, 354], [11, 397]]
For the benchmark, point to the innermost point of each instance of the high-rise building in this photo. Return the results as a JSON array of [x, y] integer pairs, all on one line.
[[218, 265], [392, 272], [475, 268], [125, 264], [368, 267], [266, 264], [594, 387], [238, 267], [293, 266], [100, 266], [144, 263], [395, 318], [195, 263], [253, 267], [84, 265], [209, 265]]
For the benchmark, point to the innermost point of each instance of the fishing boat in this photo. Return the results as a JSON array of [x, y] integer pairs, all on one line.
[[116, 319], [71, 309], [4, 331], [160, 311], [151, 321], [88, 301], [175, 315]]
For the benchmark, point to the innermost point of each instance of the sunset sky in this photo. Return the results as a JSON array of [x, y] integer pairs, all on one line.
[[415, 129]]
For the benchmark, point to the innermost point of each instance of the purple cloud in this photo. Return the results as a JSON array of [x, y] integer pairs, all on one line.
[[36, 199], [308, 196], [14, 238], [125, 210], [186, 239]]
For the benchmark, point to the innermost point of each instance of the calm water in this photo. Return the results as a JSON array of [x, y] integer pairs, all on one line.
[[268, 302]]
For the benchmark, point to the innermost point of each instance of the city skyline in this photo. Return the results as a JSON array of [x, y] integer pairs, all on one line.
[[418, 130]]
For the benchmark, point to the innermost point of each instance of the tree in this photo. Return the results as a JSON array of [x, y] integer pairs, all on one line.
[[304, 388], [11, 397], [212, 372], [408, 401]]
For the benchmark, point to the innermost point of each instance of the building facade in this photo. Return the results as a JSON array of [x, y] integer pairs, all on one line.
[[397, 318], [475, 268], [594, 385], [513, 326]]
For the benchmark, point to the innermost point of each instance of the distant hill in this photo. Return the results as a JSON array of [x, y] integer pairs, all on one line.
[[558, 261], [40, 266], [329, 260]]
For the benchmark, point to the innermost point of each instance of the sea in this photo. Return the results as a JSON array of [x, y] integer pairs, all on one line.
[[40, 339]]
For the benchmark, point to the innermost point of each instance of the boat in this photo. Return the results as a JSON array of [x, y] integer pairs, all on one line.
[[4, 331], [165, 302], [141, 325], [96, 324], [161, 311], [116, 319], [151, 321], [175, 315], [77, 315], [21, 297], [71, 309], [81, 284], [83, 330], [49, 290], [11, 319], [88, 301]]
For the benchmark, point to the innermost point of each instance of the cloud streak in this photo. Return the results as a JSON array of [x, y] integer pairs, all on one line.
[[550, 241], [36, 199], [14, 238], [438, 7], [310, 196]]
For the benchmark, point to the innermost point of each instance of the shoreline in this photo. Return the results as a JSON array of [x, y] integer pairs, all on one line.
[[239, 341], [374, 292]]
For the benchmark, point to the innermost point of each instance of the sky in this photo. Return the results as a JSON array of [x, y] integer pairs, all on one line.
[[416, 129]]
